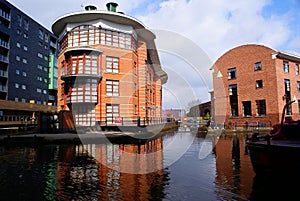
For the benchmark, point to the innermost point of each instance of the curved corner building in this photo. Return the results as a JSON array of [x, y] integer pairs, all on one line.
[[109, 70]]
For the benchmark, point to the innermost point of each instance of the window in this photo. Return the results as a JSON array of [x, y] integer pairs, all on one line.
[[16, 85], [298, 85], [297, 69], [41, 34], [233, 100], [18, 44], [46, 37], [134, 68], [231, 73], [247, 109], [23, 100], [286, 67], [16, 99], [298, 106], [112, 88], [19, 32], [25, 35], [40, 55], [40, 67], [19, 20], [258, 66], [24, 87], [26, 24], [24, 61], [260, 107], [44, 91], [112, 112], [259, 84], [24, 74], [18, 58], [287, 95], [39, 78], [39, 90], [17, 71], [112, 64], [25, 48]]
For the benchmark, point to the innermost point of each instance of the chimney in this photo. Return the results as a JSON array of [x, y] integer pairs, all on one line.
[[90, 8], [112, 6]]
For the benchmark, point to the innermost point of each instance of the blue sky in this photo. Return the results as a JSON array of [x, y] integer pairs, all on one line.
[[215, 26]]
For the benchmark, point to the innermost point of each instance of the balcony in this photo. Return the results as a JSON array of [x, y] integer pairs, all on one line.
[[4, 15], [3, 59], [4, 44], [3, 74], [3, 88]]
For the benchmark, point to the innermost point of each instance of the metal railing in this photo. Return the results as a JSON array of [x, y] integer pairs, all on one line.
[[23, 119]]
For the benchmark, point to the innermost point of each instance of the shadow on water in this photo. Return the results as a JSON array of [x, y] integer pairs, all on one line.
[[275, 187]]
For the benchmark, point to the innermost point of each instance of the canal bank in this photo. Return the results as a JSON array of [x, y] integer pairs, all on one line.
[[123, 135]]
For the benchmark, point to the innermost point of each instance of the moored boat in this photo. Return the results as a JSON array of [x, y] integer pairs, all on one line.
[[278, 151]]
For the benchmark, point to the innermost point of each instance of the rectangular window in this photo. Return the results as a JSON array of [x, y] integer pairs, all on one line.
[[46, 37], [26, 24], [298, 85], [112, 88], [286, 67], [297, 69], [247, 112], [41, 34], [258, 66], [298, 106], [19, 20], [112, 112], [261, 108], [112, 64], [287, 95], [231, 73], [233, 98], [259, 84]]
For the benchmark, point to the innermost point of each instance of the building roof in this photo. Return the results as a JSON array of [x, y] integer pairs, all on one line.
[[116, 17]]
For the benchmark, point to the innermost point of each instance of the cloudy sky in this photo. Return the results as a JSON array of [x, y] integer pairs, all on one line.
[[205, 29]]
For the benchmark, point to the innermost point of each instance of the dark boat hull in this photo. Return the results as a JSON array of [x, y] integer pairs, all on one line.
[[281, 157]]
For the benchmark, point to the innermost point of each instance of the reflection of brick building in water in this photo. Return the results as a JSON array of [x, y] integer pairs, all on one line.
[[109, 69], [233, 169], [113, 171]]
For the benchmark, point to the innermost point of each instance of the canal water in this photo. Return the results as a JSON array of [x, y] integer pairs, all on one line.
[[176, 166]]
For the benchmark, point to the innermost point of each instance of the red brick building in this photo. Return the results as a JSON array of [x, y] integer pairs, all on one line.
[[109, 70], [252, 83]]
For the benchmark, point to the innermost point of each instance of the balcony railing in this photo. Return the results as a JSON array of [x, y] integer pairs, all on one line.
[[4, 43], [3, 58], [5, 15], [3, 88], [3, 73]]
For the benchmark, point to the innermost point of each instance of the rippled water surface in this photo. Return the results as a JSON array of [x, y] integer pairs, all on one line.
[[176, 166]]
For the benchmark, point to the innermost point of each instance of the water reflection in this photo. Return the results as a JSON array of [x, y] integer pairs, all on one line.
[[77, 173], [233, 167], [211, 168]]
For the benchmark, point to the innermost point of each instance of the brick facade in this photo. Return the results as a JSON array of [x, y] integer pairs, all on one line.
[[128, 88], [258, 74]]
